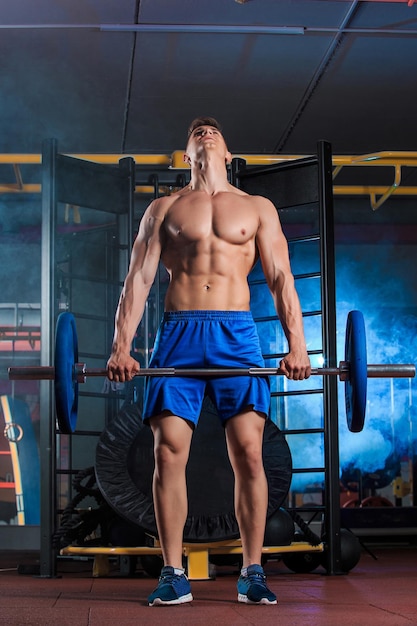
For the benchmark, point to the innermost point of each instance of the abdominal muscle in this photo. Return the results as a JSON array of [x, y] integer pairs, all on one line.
[[214, 278], [210, 293]]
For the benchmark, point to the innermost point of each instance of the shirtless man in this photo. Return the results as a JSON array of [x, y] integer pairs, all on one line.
[[208, 236]]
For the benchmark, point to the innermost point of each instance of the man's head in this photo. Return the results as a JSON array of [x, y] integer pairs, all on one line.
[[203, 121], [205, 124]]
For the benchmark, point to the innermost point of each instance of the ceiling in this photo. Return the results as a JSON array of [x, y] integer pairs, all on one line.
[[102, 76], [128, 76]]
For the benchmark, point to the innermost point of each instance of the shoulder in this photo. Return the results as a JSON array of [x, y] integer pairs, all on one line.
[[260, 202], [264, 207], [161, 205], [269, 221], [263, 203], [158, 208]]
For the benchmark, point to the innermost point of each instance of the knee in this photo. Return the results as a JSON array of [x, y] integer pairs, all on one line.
[[168, 457], [248, 462]]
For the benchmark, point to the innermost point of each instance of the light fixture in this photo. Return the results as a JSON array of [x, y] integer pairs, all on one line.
[[204, 28]]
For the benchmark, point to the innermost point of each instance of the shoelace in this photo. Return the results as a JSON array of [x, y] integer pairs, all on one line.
[[169, 578], [256, 577]]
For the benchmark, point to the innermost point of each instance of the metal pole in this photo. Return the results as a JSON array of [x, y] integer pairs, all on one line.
[[331, 422], [47, 416]]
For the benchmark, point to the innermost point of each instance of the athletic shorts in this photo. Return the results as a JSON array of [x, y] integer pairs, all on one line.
[[206, 339]]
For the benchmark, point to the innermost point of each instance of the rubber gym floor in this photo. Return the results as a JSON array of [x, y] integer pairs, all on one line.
[[380, 590]]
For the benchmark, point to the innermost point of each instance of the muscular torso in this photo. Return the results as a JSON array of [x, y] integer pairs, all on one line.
[[208, 248]]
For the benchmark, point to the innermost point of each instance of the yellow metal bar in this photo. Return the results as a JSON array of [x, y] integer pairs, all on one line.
[[251, 159], [37, 188], [212, 548], [368, 190], [101, 566], [141, 159], [375, 204], [147, 189], [30, 159], [176, 158], [385, 158], [15, 188], [197, 554], [295, 546], [198, 563], [336, 170], [110, 551]]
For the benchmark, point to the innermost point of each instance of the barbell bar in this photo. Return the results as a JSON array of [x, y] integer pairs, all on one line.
[[68, 373], [81, 372]]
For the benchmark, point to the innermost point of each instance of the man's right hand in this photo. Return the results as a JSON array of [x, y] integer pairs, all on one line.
[[122, 367]]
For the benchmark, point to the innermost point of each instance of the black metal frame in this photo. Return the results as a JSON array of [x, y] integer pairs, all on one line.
[[58, 186], [77, 182], [317, 188]]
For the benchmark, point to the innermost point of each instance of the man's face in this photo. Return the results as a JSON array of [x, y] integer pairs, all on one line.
[[205, 138]]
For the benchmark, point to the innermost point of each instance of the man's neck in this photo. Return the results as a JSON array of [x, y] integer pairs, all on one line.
[[209, 175]]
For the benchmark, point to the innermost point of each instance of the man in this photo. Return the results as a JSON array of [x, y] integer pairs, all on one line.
[[208, 235]]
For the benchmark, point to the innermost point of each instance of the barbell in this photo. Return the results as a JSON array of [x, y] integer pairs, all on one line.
[[68, 373]]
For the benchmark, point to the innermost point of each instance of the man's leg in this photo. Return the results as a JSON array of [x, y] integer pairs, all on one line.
[[172, 437], [244, 436], [172, 440]]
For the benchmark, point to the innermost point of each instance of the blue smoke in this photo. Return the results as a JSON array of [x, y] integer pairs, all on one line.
[[377, 280]]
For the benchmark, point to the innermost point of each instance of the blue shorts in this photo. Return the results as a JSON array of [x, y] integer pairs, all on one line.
[[205, 339]]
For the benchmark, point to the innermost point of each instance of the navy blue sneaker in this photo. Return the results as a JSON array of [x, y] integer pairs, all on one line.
[[252, 589], [172, 588]]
